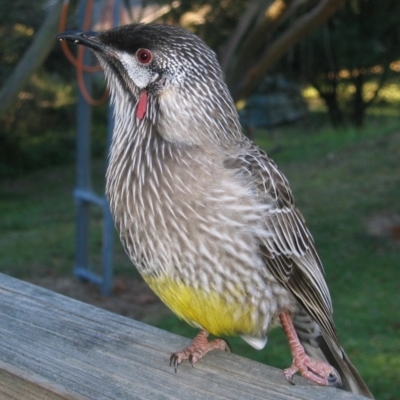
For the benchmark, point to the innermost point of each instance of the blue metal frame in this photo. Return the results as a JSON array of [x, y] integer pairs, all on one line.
[[84, 195]]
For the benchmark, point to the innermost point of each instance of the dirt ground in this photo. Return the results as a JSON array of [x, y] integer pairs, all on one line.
[[385, 225], [130, 297]]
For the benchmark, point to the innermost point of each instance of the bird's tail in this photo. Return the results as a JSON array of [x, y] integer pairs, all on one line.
[[320, 346]]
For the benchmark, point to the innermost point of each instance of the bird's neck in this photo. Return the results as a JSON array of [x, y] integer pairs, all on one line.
[[138, 153], [172, 126], [196, 116]]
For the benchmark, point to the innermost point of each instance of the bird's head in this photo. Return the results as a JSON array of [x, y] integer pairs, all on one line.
[[169, 76]]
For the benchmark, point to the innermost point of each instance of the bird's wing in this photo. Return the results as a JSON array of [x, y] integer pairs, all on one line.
[[289, 252]]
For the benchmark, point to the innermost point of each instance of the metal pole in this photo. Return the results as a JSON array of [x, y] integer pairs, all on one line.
[[84, 116], [83, 193]]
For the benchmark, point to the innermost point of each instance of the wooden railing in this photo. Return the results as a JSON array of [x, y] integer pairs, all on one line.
[[54, 347]]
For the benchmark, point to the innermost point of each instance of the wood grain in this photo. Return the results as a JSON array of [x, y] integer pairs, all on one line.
[[54, 347]]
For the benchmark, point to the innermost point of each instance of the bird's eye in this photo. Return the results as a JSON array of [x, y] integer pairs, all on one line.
[[144, 56]]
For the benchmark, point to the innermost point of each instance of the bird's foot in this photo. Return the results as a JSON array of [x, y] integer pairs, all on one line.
[[197, 349], [316, 371]]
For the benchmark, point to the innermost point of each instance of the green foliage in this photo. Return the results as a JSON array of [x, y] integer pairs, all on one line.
[[40, 128], [359, 37], [28, 132], [212, 20], [18, 21], [356, 47]]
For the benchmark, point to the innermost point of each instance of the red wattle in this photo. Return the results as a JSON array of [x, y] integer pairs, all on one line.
[[142, 106]]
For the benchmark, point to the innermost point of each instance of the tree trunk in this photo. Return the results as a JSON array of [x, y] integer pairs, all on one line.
[[33, 58], [259, 36], [251, 77], [330, 98], [358, 111], [335, 112]]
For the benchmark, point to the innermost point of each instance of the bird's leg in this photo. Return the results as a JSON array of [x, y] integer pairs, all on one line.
[[316, 371], [197, 349]]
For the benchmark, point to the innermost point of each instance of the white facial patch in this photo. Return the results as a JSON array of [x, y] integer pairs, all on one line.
[[141, 76]]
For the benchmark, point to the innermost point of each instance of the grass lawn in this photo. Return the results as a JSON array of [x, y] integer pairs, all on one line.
[[340, 180]]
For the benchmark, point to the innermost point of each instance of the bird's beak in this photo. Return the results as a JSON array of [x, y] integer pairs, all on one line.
[[88, 39]]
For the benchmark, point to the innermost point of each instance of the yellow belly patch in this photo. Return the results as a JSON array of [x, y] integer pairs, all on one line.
[[210, 311]]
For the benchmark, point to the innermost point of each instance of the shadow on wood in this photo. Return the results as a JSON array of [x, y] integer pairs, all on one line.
[[54, 347]]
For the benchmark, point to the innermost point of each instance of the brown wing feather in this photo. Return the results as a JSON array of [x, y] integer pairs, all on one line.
[[291, 257], [289, 253]]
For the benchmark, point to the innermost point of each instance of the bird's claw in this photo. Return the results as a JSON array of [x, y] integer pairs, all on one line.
[[179, 356], [197, 349], [289, 373], [314, 370], [228, 347], [290, 380], [191, 360], [174, 361]]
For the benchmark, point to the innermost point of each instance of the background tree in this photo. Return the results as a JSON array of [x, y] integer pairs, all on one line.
[[339, 57], [252, 36], [249, 36], [356, 47]]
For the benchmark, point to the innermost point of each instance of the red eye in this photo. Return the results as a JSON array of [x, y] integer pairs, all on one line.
[[144, 56]]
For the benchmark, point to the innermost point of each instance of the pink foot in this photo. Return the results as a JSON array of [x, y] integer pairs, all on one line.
[[316, 371], [197, 349]]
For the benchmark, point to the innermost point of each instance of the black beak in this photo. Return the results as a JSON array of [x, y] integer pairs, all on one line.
[[88, 39]]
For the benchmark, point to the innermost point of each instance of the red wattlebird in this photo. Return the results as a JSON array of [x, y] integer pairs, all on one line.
[[207, 218]]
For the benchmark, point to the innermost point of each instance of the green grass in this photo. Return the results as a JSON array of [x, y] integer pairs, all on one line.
[[338, 184], [37, 224], [339, 179]]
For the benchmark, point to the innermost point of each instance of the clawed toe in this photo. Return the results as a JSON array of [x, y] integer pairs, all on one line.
[[289, 373], [191, 361], [197, 349], [227, 346], [174, 361], [334, 379], [314, 370]]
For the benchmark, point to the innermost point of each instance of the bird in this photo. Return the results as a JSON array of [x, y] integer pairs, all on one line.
[[204, 214]]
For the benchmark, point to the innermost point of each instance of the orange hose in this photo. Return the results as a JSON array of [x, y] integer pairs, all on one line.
[[78, 62], [82, 87], [64, 45]]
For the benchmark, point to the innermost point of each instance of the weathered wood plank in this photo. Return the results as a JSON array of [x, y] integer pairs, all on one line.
[[53, 347]]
